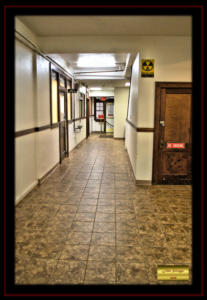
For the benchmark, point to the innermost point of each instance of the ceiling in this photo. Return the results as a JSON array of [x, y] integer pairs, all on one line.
[[108, 25], [103, 26]]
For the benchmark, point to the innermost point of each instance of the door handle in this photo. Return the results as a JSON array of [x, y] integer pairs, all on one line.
[[162, 123]]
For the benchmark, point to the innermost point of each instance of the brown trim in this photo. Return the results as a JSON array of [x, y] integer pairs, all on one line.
[[24, 132], [42, 128], [40, 180], [174, 84], [140, 129], [55, 125], [143, 182], [116, 138], [35, 129], [157, 103], [130, 123], [57, 69]]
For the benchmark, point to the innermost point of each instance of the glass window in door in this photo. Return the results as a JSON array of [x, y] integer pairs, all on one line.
[[62, 107]]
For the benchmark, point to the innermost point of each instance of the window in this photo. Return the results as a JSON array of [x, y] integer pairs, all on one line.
[[82, 106], [69, 96], [98, 110], [54, 97], [62, 81]]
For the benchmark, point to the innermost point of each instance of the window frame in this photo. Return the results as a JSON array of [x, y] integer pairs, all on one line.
[[95, 110], [82, 110]]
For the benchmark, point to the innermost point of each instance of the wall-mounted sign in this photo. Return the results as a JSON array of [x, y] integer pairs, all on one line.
[[147, 69], [173, 272], [175, 145]]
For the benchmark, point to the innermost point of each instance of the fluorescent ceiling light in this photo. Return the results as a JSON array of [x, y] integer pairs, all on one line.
[[96, 60], [127, 84], [96, 88]]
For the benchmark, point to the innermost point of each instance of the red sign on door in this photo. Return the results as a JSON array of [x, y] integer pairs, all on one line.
[[101, 116], [175, 145]]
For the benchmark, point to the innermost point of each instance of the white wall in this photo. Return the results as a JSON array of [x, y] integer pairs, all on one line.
[[35, 153], [144, 155], [121, 96], [47, 150], [131, 134], [131, 145], [172, 63], [24, 88], [75, 137], [25, 165], [43, 91], [102, 93]]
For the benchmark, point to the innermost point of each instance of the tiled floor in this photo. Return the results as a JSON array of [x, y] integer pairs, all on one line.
[[89, 224]]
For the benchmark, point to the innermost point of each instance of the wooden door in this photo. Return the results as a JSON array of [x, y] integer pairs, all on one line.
[[173, 131], [63, 125], [87, 118]]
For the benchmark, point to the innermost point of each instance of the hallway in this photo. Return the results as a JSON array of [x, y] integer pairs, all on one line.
[[89, 224]]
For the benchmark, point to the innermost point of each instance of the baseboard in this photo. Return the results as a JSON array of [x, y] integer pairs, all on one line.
[[26, 192], [117, 138], [43, 178], [143, 182]]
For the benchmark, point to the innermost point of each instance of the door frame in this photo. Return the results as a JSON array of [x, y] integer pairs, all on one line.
[[157, 107], [107, 101], [87, 117]]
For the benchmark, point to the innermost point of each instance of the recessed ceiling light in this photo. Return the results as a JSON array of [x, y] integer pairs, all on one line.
[[127, 84], [96, 60]]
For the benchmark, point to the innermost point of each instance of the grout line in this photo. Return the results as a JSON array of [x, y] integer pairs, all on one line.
[[92, 228]]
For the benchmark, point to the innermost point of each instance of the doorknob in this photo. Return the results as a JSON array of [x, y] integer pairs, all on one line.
[[162, 123]]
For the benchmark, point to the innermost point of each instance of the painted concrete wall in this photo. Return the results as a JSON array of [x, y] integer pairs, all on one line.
[[75, 137], [172, 63], [131, 134], [25, 165], [42, 79], [131, 145], [121, 96], [24, 88], [102, 93], [47, 150], [35, 153]]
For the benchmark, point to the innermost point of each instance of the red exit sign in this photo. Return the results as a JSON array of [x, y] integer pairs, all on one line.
[[175, 145]]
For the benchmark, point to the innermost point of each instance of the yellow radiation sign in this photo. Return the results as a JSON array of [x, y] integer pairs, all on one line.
[[147, 68]]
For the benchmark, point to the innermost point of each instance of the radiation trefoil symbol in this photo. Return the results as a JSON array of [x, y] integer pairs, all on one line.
[[147, 65]]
